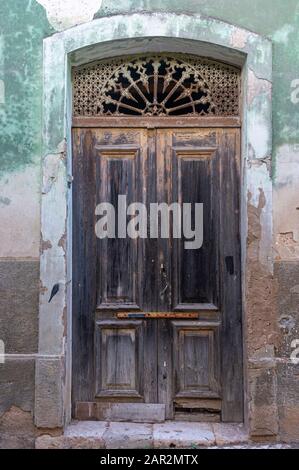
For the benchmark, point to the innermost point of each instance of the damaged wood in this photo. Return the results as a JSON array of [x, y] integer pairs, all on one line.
[[129, 412]]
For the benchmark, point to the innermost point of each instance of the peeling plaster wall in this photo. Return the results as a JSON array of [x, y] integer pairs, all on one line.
[[20, 213], [23, 26], [67, 13], [286, 202]]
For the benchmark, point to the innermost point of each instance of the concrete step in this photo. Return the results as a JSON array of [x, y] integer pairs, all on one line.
[[170, 434]]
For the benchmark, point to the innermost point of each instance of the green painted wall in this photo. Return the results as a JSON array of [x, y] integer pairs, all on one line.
[[24, 24]]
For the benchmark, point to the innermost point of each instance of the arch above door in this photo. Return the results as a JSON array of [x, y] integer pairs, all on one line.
[[111, 37]]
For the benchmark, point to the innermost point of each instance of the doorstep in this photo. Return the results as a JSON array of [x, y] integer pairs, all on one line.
[[170, 434]]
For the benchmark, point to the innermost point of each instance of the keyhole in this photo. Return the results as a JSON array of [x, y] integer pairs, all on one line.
[[229, 261]]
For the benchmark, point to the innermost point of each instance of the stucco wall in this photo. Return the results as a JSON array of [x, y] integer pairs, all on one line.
[[23, 26]]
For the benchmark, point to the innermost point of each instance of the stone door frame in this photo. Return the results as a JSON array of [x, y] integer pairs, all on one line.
[[130, 34]]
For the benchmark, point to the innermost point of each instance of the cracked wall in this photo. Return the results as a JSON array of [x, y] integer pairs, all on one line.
[[23, 26]]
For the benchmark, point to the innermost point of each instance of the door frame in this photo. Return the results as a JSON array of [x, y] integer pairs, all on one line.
[[123, 35]]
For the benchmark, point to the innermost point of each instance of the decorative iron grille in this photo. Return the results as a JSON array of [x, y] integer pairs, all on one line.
[[156, 85]]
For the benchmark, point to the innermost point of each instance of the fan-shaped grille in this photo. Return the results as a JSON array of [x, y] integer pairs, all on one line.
[[159, 85]]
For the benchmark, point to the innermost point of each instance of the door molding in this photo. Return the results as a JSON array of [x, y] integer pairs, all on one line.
[[156, 122], [122, 35]]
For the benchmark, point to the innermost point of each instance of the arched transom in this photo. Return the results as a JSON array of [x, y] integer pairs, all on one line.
[[156, 85]]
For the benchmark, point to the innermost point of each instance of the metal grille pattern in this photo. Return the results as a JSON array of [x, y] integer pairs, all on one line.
[[159, 85]]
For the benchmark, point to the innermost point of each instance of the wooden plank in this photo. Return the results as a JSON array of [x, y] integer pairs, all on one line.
[[84, 264], [208, 404], [231, 329], [195, 151], [128, 412], [164, 275], [148, 268], [117, 151], [156, 122]]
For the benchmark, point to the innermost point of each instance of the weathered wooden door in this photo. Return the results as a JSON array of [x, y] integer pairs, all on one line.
[[156, 326]]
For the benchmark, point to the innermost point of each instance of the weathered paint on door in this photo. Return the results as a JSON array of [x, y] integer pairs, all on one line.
[[131, 360]]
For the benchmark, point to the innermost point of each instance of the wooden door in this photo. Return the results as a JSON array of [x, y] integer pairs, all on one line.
[[156, 326]]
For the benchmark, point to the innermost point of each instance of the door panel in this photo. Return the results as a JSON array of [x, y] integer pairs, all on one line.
[[119, 360], [118, 280], [118, 172], [196, 360], [195, 175], [126, 349]]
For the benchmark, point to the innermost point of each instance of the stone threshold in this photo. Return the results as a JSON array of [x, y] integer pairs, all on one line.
[[167, 435]]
